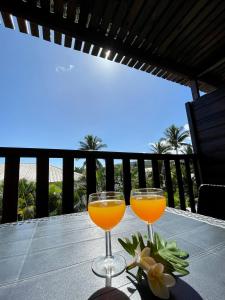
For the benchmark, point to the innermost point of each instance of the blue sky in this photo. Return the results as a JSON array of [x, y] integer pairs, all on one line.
[[52, 96]]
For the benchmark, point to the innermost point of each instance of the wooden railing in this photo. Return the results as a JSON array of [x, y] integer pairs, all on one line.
[[183, 165]]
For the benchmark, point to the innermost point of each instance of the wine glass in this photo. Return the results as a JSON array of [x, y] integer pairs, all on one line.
[[106, 209], [148, 204]]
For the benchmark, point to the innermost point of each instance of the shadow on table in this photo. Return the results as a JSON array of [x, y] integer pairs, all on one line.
[[181, 291], [108, 293]]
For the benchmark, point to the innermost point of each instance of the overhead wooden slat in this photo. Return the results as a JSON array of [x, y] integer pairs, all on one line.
[[176, 38], [85, 8], [150, 68], [199, 5], [140, 22], [111, 55], [119, 58], [46, 34], [130, 18], [71, 10], [209, 40], [107, 16], [96, 12], [138, 65], [22, 25], [42, 187], [95, 50], [125, 60], [78, 44], [214, 44], [87, 47], [180, 185], [169, 183], [195, 27], [168, 15], [141, 173], [68, 185], [45, 6], [57, 37], [7, 20], [198, 38], [132, 62], [118, 18], [68, 41], [126, 180], [110, 174], [34, 29], [145, 67], [10, 195], [172, 24], [103, 53], [153, 21]]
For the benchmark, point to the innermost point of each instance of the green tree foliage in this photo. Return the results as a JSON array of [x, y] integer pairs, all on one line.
[[26, 199], [91, 142], [94, 143], [160, 147], [176, 137]]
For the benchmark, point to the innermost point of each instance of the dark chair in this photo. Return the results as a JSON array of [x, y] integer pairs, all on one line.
[[211, 200]]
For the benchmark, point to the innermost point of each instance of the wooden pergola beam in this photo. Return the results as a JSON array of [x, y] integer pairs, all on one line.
[[44, 18]]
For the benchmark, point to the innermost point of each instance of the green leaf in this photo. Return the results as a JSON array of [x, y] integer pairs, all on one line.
[[127, 247], [167, 253], [141, 242], [135, 241]]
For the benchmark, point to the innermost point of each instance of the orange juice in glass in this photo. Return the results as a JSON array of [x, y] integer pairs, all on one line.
[[106, 209], [148, 204]]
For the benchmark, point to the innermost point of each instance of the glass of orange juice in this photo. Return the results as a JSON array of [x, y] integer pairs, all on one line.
[[148, 204], [106, 209]]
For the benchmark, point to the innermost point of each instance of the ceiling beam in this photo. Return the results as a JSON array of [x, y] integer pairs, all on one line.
[[45, 18]]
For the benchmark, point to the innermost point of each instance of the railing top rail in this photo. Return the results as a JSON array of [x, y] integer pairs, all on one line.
[[61, 153]]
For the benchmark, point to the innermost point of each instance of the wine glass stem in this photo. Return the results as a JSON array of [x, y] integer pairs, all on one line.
[[150, 232], [108, 244]]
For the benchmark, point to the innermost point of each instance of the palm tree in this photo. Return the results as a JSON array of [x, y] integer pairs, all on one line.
[[91, 142], [187, 149], [176, 136], [160, 147]]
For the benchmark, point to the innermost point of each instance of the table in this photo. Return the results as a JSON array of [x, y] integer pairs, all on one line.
[[51, 258]]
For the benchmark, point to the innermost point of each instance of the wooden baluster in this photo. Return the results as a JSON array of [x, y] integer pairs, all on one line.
[[10, 191], [196, 171], [141, 173], [68, 185], [126, 180], [42, 187], [180, 185], [155, 172], [169, 184], [190, 184], [110, 184], [90, 175]]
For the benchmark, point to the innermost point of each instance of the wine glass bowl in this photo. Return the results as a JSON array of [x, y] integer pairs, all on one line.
[[106, 209], [148, 204]]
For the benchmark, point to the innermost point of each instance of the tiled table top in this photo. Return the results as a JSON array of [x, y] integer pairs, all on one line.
[[51, 258]]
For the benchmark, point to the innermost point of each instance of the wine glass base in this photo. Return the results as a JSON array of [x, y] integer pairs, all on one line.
[[109, 266]]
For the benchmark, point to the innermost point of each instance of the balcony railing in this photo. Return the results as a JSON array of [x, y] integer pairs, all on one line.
[[163, 169]]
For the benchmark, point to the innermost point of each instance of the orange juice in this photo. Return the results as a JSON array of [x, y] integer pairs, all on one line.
[[106, 213], [148, 208]]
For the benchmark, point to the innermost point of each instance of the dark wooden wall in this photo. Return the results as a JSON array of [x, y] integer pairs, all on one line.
[[206, 118]]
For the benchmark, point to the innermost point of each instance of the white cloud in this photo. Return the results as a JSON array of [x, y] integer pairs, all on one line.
[[186, 126], [64, 68]]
